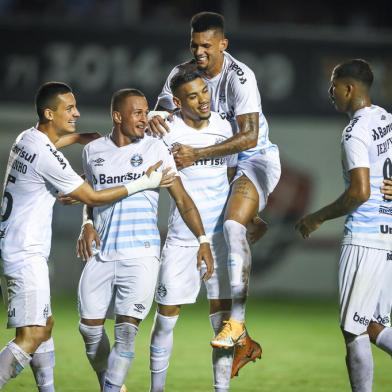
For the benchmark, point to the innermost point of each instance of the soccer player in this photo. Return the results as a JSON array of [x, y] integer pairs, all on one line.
[[208, 184], [235, 96], [365, 269], [124, 268], [36, 171]]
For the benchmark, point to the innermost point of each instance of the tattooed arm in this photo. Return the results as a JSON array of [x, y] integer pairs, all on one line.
[[248, 125]]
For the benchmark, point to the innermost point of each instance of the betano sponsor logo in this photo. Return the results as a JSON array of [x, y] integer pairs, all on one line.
[[58, 156], [361, 319]]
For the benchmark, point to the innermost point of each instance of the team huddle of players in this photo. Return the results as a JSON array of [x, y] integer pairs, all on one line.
[[208, 145]]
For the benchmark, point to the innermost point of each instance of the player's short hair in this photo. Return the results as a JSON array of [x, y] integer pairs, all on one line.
[[46, 96], [356, 69], [204, 21], [119, 96], [181, 78]]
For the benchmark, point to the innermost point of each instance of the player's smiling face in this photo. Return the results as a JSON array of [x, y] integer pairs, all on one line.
[[65, 114], [339, 93], [207, 48], [133, 116], [194, 100]]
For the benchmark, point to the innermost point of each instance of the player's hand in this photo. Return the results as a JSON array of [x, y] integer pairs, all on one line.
[[158, 126], [84, 244], [67, 200], [184, 156], [153, 168], [204, 255], [168, 178], [308, 225], [386, 189], [256, 229]]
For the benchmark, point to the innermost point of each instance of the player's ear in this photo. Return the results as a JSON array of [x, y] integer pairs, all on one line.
[[349, 89], [224, 43], [48, 114], [116, 117], [177, 102]]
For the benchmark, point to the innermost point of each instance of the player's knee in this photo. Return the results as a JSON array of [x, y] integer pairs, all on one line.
[[374, 330], [233, 229], [169, 310]]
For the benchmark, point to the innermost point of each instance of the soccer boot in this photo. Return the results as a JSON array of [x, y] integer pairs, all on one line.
[[231, 333], [245, 351]]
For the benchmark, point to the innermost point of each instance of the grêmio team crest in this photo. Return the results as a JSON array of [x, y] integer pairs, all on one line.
[[136, 160]]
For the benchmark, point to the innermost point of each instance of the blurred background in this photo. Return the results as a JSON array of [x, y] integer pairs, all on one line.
[[99, 46]]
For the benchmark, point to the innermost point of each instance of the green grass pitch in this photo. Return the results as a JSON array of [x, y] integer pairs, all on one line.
[[303, 351]]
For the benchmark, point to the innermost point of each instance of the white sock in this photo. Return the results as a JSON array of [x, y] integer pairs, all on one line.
[[42, 365], [160, 350], [12, 361], [121, 356], [359, 362], [384, 340], [222, 359], [97, 348], [239, 263]]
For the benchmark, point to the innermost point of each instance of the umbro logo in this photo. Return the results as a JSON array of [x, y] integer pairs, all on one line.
[[98, 162], [383, 117], [139, 308]]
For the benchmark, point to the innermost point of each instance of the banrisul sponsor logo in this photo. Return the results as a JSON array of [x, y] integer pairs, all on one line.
[[361, 319], [106, 179], [22, 153]]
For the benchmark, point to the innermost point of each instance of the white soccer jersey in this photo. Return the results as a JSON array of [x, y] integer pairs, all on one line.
[[35, 172], [205, 181], [127, 228], [233, 92], [367, 142]]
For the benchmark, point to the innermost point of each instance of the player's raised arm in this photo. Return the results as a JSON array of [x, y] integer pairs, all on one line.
[[152, 179], [191, 217], [245, 139], [76, 138]]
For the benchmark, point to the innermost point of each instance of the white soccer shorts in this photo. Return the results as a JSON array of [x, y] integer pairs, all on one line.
[[28, 294], [123, 287], [179, 280], [365, 275], [263, 169]]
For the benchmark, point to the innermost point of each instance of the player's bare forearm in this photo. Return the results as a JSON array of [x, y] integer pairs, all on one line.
[[92, 198], [248, 126], [356, 194], [80, 138]]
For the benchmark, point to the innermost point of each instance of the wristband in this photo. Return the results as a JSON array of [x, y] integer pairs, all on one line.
[[87, 222], [161, 113], [144, 182], [203, 239]]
